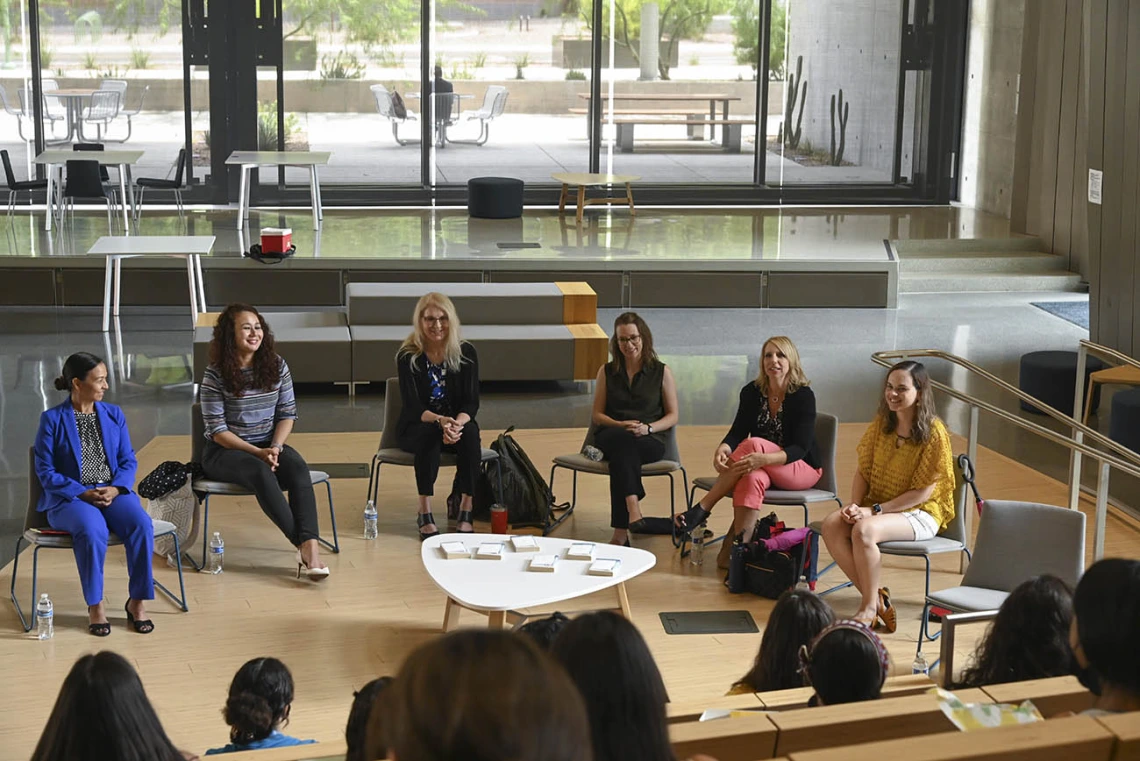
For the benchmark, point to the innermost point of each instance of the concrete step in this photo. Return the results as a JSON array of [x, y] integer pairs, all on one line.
[[970, 280], [943, 246], [1012, 262]]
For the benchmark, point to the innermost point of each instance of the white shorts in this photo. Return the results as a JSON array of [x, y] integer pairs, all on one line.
[[923, 524]]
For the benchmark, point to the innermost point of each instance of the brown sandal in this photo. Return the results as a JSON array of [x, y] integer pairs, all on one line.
[[886, 611]]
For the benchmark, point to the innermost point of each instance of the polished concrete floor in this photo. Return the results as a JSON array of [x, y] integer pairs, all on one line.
[[712, 352]]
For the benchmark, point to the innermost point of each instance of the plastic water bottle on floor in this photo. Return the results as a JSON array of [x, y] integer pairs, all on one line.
[[217, 554], [920, 664], [370, 520], [45, 626], [697, 550]]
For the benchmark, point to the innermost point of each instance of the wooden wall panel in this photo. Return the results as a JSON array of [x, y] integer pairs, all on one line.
[[1067, 144], [1096, 17], [1129, 176], [1046, 115]]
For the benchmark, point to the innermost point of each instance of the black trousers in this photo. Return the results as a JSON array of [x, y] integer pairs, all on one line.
[[625, 454], [297, 516], [425, 441]]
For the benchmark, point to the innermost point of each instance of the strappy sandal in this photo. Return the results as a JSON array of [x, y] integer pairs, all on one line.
[[886, 611], [693, 517], [464, 517], [142, 626], [426, 519], [99, 630]]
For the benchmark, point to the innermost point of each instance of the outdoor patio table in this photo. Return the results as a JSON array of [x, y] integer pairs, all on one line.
[[713, 98]]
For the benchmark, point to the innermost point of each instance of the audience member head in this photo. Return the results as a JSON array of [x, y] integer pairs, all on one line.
[[84, 377], [365, 742], [261, 695], [632, 341], [435, 323], [907, 388], [625, 696], [846, 663], [242, 338], [484, 695], [1104, 632], [1029, 638], [102, 712], [779, 356], [797, 618], [543, 631]]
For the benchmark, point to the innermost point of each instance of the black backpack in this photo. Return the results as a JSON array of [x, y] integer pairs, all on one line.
[[527, 496]]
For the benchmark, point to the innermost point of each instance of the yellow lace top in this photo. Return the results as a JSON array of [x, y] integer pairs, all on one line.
[[890, 470]]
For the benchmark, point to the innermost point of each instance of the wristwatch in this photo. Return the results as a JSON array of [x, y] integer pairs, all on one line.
[[876, 509], [649, 427]]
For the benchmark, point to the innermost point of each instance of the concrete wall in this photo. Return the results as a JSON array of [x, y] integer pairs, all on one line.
[[854, 45], [989, 134]]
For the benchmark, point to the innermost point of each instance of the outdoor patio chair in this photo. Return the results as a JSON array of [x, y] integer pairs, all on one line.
[[130, 112], [386, 109], [18, 113], [494, 103], [103, 108]]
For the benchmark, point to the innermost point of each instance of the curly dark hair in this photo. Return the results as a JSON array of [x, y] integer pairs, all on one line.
[[1029, 638], [224, 354]]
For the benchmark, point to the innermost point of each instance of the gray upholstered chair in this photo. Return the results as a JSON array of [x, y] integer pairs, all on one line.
[[1016, 541], [389, 452], [39, 534], [577, 463], [206, 487]]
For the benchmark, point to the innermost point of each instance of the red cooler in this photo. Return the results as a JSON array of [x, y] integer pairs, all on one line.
[[276, 240]]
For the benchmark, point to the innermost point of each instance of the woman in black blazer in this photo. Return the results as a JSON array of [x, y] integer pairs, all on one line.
[[439, 385], [771, 443]]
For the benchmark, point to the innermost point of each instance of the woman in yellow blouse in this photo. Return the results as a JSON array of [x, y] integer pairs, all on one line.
[[903, 489]]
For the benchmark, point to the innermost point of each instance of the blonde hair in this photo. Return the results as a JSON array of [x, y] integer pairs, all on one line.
[[414, 343], [796, 377]]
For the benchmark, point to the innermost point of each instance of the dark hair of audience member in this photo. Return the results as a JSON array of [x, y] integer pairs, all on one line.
[[796, 619], [102, 712], [483, 695], [356, 731], [1106, 625], [608, 659], [1029, 638], [76, 367], [543, 631], [259, 700], [847, 663]]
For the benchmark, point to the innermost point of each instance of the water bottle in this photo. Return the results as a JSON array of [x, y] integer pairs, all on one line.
[[370, 520], [44, 615], [920, 664], [697, 550], [217, 554]]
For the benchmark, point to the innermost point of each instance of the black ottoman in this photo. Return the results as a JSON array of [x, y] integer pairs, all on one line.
[[1125, 425], [495, 197], [1051, 376]]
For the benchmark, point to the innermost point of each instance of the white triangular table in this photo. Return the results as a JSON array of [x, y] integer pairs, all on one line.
[[500, 588]]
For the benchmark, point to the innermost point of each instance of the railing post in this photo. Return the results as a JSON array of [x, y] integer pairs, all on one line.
[[1101, 511], [1078, 436]]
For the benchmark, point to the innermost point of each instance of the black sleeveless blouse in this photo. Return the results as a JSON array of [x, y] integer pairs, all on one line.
[[640, 400]]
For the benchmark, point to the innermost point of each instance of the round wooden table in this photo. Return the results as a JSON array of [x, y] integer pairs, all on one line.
[[585, 179]]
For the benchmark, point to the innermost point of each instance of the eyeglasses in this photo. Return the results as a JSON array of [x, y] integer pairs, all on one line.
[[437, 320], [629, 340]]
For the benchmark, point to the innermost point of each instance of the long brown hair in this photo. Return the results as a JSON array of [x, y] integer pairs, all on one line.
[[648, 355], [924, 413], [798, 618], [224, 354]]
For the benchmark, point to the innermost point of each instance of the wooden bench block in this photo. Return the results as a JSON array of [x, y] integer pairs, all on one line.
[[579, 303], [739, 739], [681, 712], [798, 697], [868, 721], [591, 350], [1070, 739], [1051, 696], [207, 319], [1126, 728]]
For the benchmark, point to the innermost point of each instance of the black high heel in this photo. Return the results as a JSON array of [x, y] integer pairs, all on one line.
[[693, 517], [144, 626], [464, 517], [426, 519]]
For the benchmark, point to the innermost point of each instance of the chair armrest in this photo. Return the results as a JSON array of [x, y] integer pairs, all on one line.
[[949, 625]]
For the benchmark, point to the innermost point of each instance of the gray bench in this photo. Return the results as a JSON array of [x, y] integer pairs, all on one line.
[[730, 129]]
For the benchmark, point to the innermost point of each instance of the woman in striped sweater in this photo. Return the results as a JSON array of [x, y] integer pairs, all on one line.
[[248, 409]]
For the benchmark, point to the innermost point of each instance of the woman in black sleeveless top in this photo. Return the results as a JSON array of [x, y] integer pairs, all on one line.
[[634, 403]]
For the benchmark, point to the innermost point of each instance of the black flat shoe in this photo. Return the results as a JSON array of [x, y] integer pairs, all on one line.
[[464, 517], [693, 517], [426, 519], [144, 626], [652, 525], [99, 630]]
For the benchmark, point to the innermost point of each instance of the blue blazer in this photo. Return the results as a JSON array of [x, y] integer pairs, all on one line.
[[57, 453]]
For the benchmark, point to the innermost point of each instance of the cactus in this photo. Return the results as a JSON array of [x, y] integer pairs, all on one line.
[[792, 139], [844, 111]]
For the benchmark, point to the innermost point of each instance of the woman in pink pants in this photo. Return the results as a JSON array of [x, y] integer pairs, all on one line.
[[771, 443]]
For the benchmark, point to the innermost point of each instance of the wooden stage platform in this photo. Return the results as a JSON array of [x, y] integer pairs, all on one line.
[[379, 604]]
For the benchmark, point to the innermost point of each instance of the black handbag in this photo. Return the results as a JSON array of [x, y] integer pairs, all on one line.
[[165, 478]]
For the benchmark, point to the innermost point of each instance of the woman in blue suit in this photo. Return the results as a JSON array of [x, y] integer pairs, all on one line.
[[86, 466]]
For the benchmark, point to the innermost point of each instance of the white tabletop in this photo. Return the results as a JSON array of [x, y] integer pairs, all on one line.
[[152, 245], [587, 178], [62, 156], [279, 158], [506, 584]]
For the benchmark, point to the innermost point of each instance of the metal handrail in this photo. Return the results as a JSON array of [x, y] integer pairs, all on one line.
[[1076, 443]]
